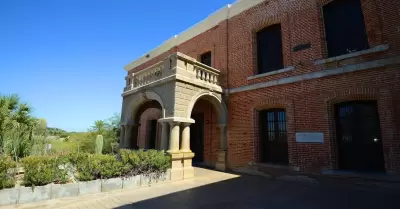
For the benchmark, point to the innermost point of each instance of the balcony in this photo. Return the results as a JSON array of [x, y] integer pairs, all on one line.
[[174, 67]]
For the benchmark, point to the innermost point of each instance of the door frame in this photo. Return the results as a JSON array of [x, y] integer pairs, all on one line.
[[337, 133], [263, 145]]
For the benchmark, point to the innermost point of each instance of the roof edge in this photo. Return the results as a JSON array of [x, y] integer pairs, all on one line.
[[211, 21]]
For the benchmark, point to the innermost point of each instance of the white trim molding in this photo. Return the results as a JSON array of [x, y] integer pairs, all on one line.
[[379, 48], [320, 74], [211, 21], [287, 69]]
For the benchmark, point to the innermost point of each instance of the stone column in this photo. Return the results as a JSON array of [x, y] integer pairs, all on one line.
[[185, 142], [131, 136], [122, 137], [221, 157], [222, 136], [181, 162], [187, 154], [164, 136], [174, 137]]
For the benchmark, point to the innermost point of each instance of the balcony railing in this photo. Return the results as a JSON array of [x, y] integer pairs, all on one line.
[[178, 65]]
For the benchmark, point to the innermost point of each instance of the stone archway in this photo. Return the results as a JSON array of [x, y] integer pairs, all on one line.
[[220, 108], [133, 107], [176, 83]]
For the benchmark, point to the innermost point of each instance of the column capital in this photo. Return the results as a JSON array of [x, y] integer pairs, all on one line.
[[176, 119]]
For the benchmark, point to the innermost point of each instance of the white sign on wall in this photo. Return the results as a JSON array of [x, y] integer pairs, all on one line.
[[310, 137]]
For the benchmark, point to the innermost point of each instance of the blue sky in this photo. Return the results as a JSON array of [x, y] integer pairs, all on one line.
[[66, 57]]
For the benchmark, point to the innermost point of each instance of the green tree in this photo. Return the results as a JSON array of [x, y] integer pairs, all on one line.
[[15, 119], [41, 127], [99, 127]]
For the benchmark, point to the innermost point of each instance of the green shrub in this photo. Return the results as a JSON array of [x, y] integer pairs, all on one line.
[[144, 162], [7, 177], [130, 161], [42, 170], [110, 166], [87, 145], [86, 166]]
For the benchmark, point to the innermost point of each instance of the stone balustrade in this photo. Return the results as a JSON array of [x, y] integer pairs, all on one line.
[[206, 73], [175, 66]]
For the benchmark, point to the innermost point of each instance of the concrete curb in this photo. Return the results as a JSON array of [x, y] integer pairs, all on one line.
[[54, 191]]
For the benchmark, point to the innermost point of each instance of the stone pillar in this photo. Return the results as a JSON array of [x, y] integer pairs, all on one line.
[[181, 162], [174, 137], [221, 157], [164, 136], [122, 137], [188, 170], [131, 136], [185, 142]]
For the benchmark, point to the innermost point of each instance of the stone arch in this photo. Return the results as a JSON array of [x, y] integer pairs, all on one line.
[[134, 102], [215, 100]]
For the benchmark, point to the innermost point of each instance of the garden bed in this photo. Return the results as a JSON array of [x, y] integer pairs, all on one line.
[[54, 191], [52, 177]]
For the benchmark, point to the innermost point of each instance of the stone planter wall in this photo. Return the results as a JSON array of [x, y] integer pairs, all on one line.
[[54, 191]]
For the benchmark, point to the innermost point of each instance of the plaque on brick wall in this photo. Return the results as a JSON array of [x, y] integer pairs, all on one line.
[[301, 47], [310, 137]]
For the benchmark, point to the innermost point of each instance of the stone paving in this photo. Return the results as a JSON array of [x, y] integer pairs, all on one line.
[[211, 189]]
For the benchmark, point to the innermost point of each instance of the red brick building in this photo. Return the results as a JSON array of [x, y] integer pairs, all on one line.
[[311, 84]]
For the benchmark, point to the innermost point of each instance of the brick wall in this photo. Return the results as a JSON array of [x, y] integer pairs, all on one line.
[[148, 114], [211, 140], [308, 104]]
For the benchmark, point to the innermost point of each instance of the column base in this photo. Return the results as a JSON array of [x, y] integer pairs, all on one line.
[[221, 161], [176, 166], [181, 165], [188, 170]]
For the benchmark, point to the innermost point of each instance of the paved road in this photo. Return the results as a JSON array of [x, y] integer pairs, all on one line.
[[212, 189]]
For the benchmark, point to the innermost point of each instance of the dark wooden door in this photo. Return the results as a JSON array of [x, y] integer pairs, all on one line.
[[197, 137], [359, 137], [152, 134], [273, 136]]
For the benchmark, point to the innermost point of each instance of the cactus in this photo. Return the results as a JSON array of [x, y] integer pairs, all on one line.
[[99, 144]]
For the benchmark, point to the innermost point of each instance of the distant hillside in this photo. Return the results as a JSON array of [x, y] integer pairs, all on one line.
[[56, 132]]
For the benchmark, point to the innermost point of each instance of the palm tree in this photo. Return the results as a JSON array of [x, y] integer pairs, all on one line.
[[14, 115]]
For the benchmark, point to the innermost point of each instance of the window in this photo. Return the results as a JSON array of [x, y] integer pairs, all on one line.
[[206, 58], [269, 49], [344, 27]]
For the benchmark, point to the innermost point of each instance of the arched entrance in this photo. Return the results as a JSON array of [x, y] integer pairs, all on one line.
[[208, 133], [139, 126]]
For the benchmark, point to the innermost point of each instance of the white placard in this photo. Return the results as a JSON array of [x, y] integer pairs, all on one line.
[[310, 137]]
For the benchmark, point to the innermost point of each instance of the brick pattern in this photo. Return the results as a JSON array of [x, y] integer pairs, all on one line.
[[211, 140], [308, 103], [148, 114]]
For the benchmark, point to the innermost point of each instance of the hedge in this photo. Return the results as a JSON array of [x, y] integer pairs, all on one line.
[[7, 172], [42, 170]]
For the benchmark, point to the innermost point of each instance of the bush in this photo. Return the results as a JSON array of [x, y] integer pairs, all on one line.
[[144, 162], [87, 145], [86, 166], [42, 170], [95, 166], [110, 166], [7, 177], [89, 167]]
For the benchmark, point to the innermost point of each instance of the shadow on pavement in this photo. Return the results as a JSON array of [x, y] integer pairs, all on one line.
[[253, 192]]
